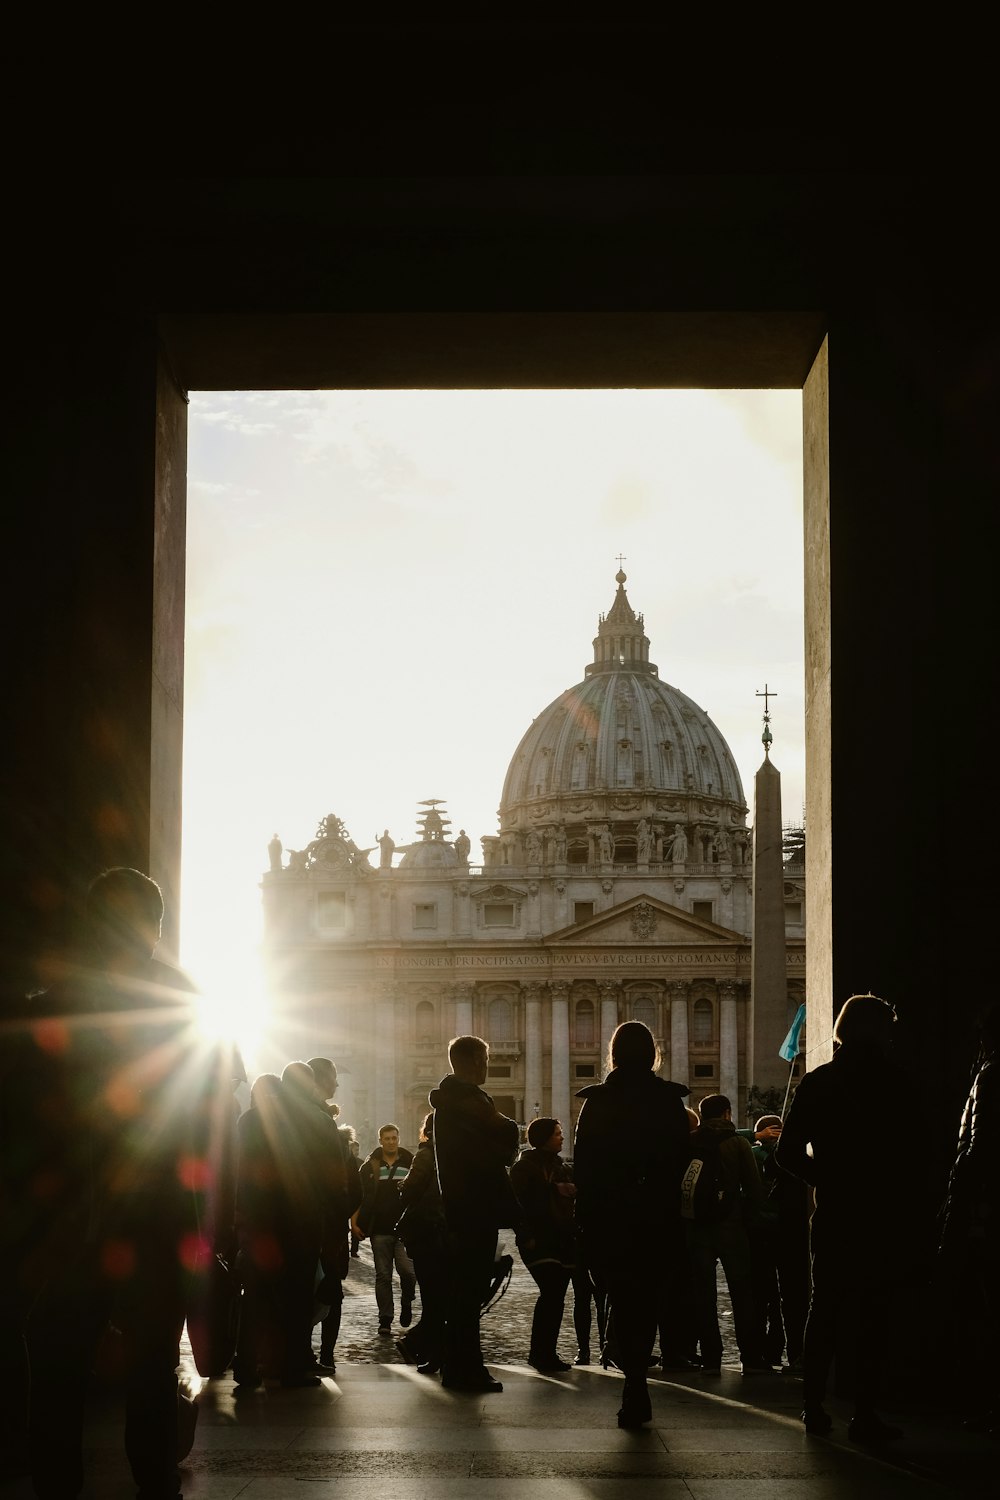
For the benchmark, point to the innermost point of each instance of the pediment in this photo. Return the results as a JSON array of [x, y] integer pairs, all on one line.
[[644, 920], [498, 892]]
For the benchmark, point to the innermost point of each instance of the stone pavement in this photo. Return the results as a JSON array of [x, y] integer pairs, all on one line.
[[380, 1431]]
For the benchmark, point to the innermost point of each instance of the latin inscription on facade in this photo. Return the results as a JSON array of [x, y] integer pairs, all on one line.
[[586, 960]]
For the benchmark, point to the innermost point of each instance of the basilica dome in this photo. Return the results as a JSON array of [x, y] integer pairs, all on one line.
[[622, 746]]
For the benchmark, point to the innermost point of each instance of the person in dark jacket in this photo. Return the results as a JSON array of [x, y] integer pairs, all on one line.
[[335, 1259], [864, 1209], [632, 1145], [546, 1240], [474, 1145], [726, 1241], [421, 1228], [260, 1214], [779, 1244], [313, 1168], [383, 1173], [124, 1110]]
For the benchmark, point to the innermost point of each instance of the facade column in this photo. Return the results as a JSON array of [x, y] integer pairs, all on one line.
[[729, 1079], [560, 1105], [680, 1051], [609, 991], [385, 1054], [463, 1009], [532, 993]]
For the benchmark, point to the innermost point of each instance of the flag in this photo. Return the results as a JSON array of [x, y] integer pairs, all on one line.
[[789, 1048]]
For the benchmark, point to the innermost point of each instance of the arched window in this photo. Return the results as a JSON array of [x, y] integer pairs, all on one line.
[[585, 1033], [644, 1010], [703, 1027], [501, 1021], [426, 1022]]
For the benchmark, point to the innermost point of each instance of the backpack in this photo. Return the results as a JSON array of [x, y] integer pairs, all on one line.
[[704, 1200]]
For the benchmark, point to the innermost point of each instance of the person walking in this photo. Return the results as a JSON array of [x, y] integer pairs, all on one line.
[[722, 1236], [632, 1144], [866, 1200], [382, 1174], [546, 1241], [421, 1227], [474, 1145]]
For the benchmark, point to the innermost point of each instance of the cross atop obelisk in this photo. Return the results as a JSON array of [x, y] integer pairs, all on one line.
[[767, 736]]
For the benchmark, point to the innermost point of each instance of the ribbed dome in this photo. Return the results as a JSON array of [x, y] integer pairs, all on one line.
[[621, 736]]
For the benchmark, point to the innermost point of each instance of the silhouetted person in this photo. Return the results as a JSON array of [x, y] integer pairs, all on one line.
[[725, 1240], [546, 1240], [335, 1258], [970, 1233], [474, 1144], [126, 1107], [313, 1179], [260, 1215], [780, 1245], [861, 1226], [632, 1144], [421, 1227]]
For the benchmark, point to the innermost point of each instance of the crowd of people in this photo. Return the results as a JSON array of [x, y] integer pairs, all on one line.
[[132, 1175]]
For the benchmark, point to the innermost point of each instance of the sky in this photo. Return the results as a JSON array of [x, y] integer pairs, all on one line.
[[385, 587]]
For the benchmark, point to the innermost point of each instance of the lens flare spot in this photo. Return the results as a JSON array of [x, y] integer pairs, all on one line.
[[51, 1035], [195, 1173], [118, 1259], [194, 1252], [123, 1098]]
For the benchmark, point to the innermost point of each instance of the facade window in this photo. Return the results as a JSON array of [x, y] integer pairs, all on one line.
[[331, 908], [498, 913], [793, 912], [702, 909], [644, 1010], [580, 767], [703, 1023], [585, 1028], [426, 1022], [586, 1070], [583, 911], [425, 914], [500, 1024], [499, 1070], [704, 1070]]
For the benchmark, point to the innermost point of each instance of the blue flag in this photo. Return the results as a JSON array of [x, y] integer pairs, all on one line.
[[789, 1048]]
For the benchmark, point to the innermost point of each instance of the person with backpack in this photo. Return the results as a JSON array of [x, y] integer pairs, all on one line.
[[721, 1196]]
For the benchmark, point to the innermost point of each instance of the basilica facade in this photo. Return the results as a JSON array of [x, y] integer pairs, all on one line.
[[619, 886]]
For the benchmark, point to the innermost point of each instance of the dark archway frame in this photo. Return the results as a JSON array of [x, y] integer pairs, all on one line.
[[537, 350]]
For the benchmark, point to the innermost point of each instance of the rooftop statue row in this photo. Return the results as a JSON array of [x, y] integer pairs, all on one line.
[[332, 850]]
